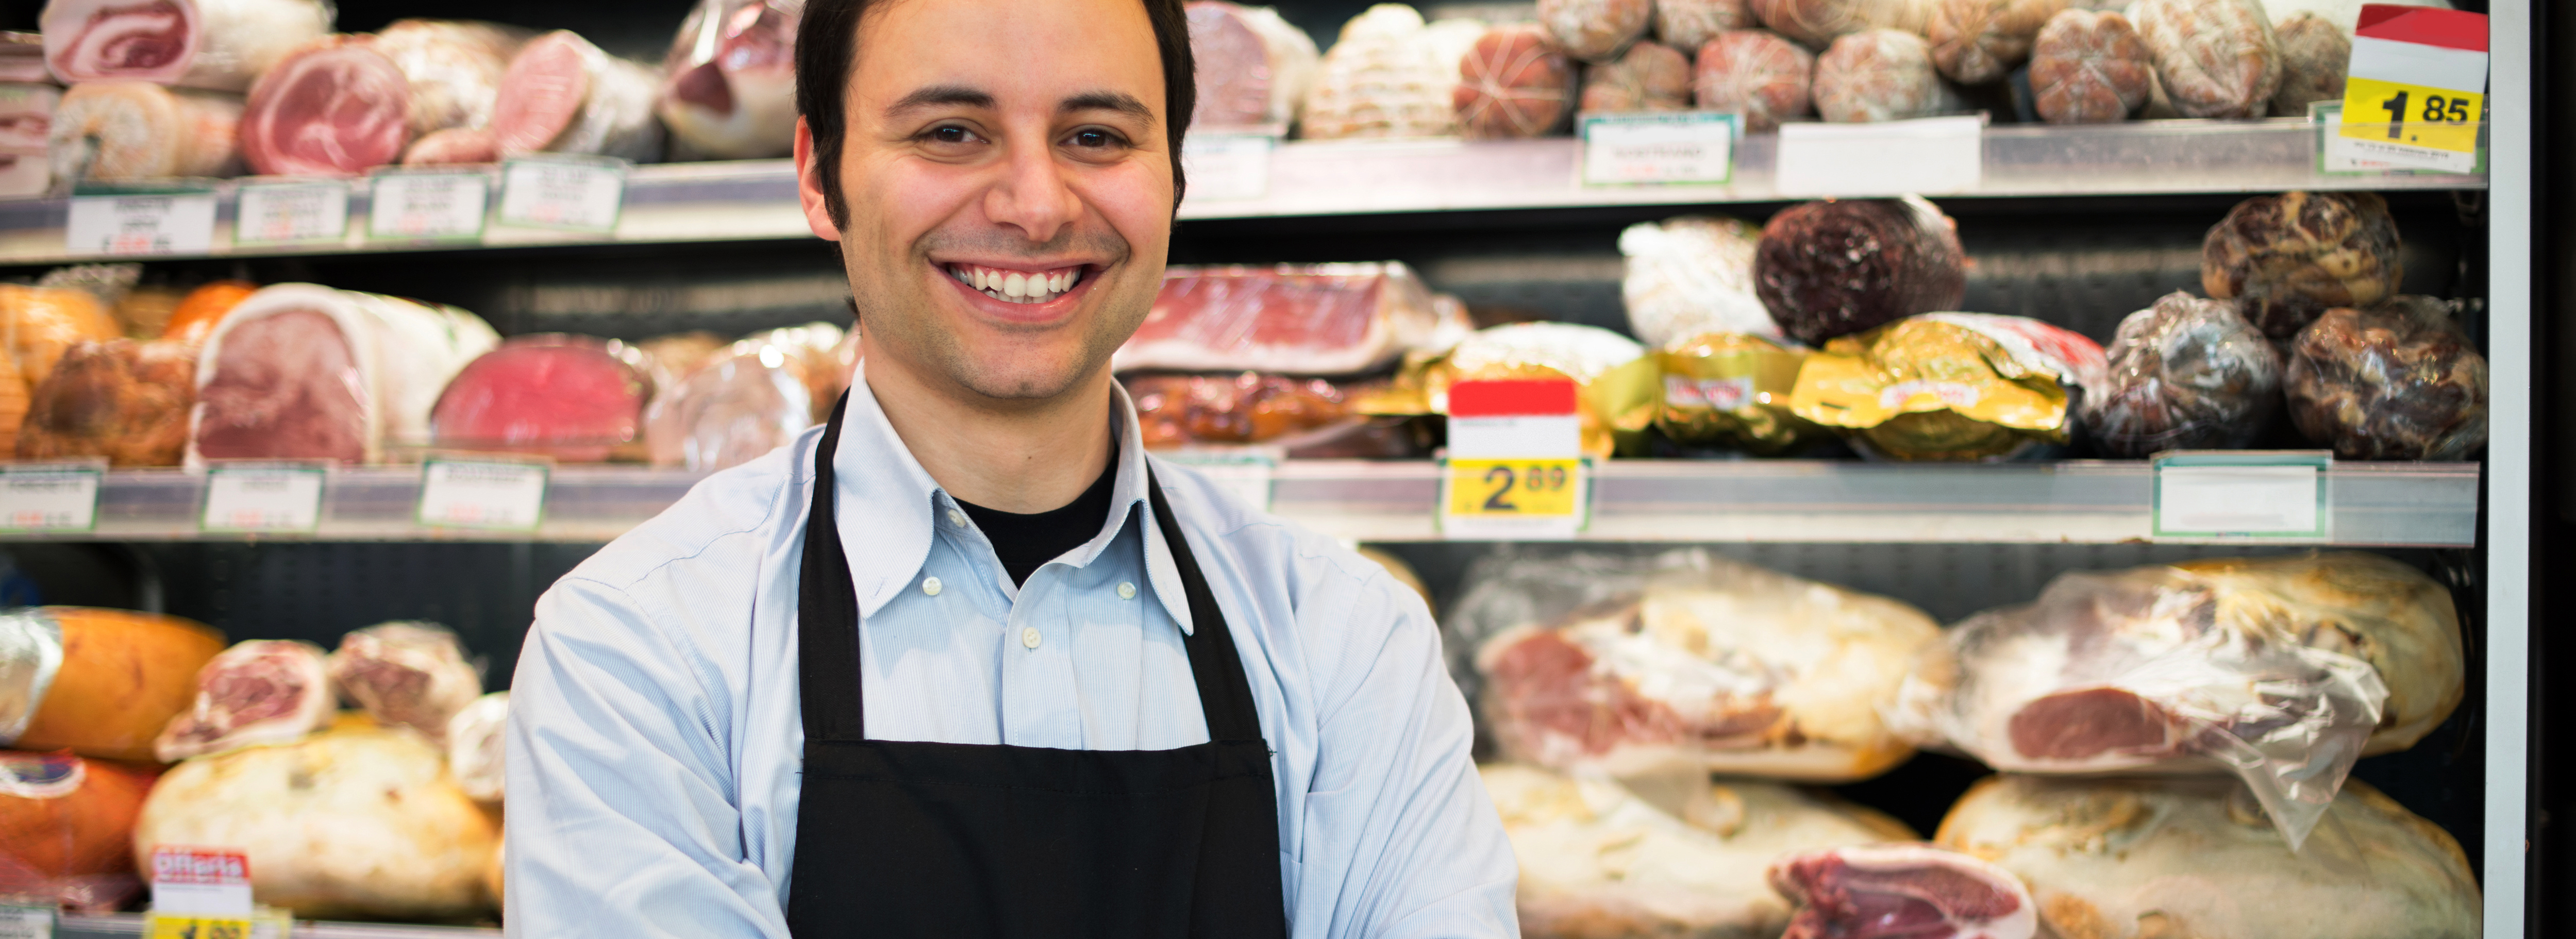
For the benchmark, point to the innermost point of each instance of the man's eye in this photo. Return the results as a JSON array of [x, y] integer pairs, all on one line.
[[1094, 139], [951, 134]]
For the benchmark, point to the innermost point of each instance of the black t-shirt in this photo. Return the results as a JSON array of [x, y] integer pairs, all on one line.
[[1026, 542]]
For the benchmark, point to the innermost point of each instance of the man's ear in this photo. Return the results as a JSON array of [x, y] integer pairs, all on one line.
[[809, 187]]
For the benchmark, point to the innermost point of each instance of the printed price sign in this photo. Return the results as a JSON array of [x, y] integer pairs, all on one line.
[[50, 497], [567, 192], [181, 222], [211, 881], [2415, 91], [263, 497], [2249, 494], [1515, 467], [291, 213], [423, 206], [1659, 147], [1246, 473], [1939, 154], [264, 924], [1227, 166], [34, 920], [507, 495]]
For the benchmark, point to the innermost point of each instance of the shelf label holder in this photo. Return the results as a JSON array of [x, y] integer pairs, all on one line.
[[50, 498], [1229, 166], [1515, 469], [440, 204], [281, 214], [1659, 148], [2243, 495], [2425, 69], [566, 192], [1941, 155], [1248, 472], [263, 497], [120, 221], [28, 917], [483, 491]]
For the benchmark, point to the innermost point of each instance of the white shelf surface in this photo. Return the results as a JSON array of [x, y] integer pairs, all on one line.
[[2097, 502], [756, 199], [123, 925]]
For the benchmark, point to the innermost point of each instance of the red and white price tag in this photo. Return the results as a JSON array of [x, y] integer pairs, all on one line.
[[204, 880], [2415, 92], [1515, 469]]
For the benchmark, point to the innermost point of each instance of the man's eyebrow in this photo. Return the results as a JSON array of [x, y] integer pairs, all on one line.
[[1118, 101], [936, 96]]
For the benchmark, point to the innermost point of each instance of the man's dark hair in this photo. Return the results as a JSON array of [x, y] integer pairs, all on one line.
[[827, 44]]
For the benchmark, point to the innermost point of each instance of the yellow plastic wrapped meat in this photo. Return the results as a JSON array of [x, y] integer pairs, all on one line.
[[1616, 391], [1950, 386], [1732, 389]]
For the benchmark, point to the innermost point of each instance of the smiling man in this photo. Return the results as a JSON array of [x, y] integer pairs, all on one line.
[[966, 661]]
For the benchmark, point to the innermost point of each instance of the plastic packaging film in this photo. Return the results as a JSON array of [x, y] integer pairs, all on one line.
[[1689, 275], [1299, 319], [1951, 386], [31, 652], [1733, 389], [2396, 381], [2185, 374]]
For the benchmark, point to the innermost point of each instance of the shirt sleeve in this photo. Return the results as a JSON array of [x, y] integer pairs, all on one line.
[[623, 813], [1400, 838]]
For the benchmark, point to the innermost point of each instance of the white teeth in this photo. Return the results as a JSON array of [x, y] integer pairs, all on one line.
[[1055, 282], [1016, 285], [979, 277]]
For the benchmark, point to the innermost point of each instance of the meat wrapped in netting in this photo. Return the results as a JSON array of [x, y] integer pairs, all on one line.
[[1692, 274], [2282, 671], [2185, 374], [1839, 266], [2287, 258], [2396, 381], [1951, 386], [1630, 664]]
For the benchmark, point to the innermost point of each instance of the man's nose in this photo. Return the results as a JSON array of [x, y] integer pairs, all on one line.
[[1033, 195]]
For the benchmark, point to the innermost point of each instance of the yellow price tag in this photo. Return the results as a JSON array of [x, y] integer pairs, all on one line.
[[196, 926], [2413, 115], [1528, 488]]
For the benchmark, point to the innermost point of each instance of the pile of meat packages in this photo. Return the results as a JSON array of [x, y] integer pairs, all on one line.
[[2174, 742]]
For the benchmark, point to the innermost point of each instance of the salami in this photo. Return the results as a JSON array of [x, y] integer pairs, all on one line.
[[1817, 23], [130, 130], [2214, 58], [2289, 257], [1253, 68], [2090, 68], [2314, 55], [1756, 72], [1978, 41], [1513, 85], [1690, 24], [1389, 76], [220, 45], [1831, 268], [729, 82], [1595, 30], [1879, 75], [1650, 77], [334, 108], [562, 95]]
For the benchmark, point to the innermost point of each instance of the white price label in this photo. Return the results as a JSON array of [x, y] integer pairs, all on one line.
[[1659, 147], [498, 494], [214, 881], [263, 497], [26, 922], [425, 206], [291, 213], [579, 194], [49, 497], [1246, 473], [166, 223], [1927, 156], [2242, 494], [1227, 166]]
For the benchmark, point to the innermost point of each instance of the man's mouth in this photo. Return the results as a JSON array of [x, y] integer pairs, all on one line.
[[1011, 286]]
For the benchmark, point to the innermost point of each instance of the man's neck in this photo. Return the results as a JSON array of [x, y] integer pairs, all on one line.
[[1024, 456]]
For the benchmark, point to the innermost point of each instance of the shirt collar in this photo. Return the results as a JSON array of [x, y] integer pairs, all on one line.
[[888, 503]]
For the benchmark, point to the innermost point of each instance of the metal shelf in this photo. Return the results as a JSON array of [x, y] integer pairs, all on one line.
[[2084, 502], [123, 925], [756, 199]]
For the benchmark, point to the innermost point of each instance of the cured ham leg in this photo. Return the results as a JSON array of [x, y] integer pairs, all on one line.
[[452, 68], [335, 108], [1901, 891], [221, 45], [729, 84], [562, 95], [261, 691], [128, 130]]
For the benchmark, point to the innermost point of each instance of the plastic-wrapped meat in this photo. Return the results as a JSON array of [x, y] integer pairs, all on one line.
[[118, 131], [672, 357], [336, 107], [1614, 379], [729, 411], [302, 371], [2214, 58], [2289, 257], [1302, 319], [97, 682], [2281, 670], [43, 323], [1634, 665], [1733, 389], [452, 68], [26, 121], [729, 81], [1390, 75], [1595, 30], [261, 691], [1902, 890], [195, 317], [214, 44], [1511, 84], [2395, 381], [2090, 68], [67, 827], [1817, 23], [2185, 374], [1978, 41], [475, 746], [1879, 75], [2314, 55], [1689, 24], [1178, 410], [1650, 77], [1670, 856], [562, 95], [22, 58], [1836, 267], [1253, 68], [1689, 275], [1756, 72], [124, 399], [2145, 859], [407, 674], [822, 356], [575, 398], [1951, 386]]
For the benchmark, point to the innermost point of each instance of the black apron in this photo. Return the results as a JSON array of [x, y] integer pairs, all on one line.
[[900, 838]]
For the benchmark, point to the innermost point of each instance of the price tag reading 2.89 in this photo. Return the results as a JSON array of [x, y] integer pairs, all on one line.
[[1515, 488]]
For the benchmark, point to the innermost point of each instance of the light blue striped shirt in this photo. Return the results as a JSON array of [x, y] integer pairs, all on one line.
[[655, 730]]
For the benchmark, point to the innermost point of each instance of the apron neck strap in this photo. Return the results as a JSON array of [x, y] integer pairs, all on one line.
[[1225, 698]]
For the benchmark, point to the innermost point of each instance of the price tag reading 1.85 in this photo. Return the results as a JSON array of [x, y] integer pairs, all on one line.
[[1515, 488], [2414, 95]]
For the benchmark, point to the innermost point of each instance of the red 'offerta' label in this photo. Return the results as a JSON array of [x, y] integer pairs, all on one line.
[[213, 866]]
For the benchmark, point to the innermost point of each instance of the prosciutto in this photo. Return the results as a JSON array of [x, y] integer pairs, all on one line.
[[1901, 891], [219, 45], [407, 674], [562, 95], [335, 108], [729, 82], [261, 691], [119, 131], [26, 121], [301, 371]]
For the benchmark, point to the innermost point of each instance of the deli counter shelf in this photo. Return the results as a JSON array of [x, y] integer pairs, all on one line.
[[122, 925], [1783, 501], [674, 203]]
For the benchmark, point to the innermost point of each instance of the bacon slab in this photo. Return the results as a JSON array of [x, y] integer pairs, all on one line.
[[220, 45]]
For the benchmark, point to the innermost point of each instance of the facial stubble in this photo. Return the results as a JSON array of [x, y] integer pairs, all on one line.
[[902, 320]]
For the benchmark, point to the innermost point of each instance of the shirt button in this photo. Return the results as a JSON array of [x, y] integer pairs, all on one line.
[[956, 518], [1029, 637], [1126, 591], [930, 585]]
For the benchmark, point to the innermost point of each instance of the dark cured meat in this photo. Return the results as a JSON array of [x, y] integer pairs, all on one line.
[[2398, 381], [1836, 267], [126, 400], [1651, 77], [2289, 257], [2090, 68], [1901, 892], [1978, 41], [572, 397], [1176, 410], [1511, 84], [1756, 72], [2186, 374]]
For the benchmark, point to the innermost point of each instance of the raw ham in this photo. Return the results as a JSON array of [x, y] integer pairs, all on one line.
[[96, 682], [354, 823], [562, 95], [1689, 24], [258, 692], [125, 399], [26, 122], [1595, 30], [67, 825], [1513, 85], [1879, 75], [219, 45], [2397, 381], [2314, 55], [1978, 41], [337, 107], [42, 323], [1756, 72], [2090, 68], [732, 410], [1651, 77], [1390, 75], [1253, 68], [1901, 891], [1817, 23], [475, 746], [1303, 319], [575, 398], [301, 371], [2137, 859], [729, 83], [2214, 58], [451, 68], [407, 674], [118, 131]]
